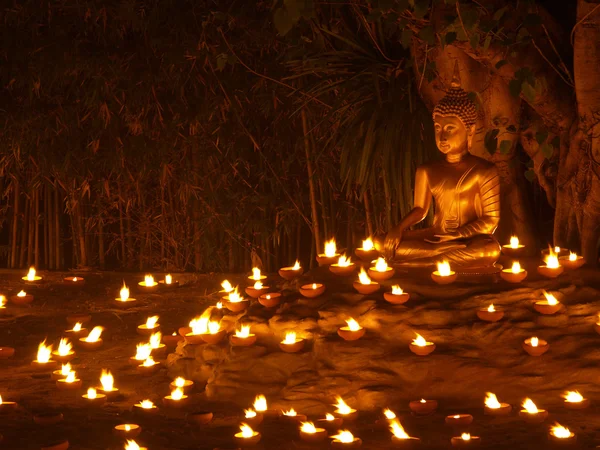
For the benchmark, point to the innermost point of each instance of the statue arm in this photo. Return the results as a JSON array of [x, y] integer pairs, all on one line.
[[422, 200]]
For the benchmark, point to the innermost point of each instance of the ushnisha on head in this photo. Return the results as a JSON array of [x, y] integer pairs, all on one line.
[[454, 118]]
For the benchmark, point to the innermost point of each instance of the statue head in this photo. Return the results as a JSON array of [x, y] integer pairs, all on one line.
[[454, 118]]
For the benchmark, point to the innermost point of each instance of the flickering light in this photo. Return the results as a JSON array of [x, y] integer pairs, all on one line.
[[92, 394], [557, 249], [146, 404], [491, 308], [219, 305], [344, 436], [363, 278], [398, 430], [296, 265], [132, 445], [2, 302], [514, 242], [151, 322], [290, 338], [330, 248], [94, 335], [226, 285], [516, 267], [308, 427], [199, 325], [168, 279], [550, 298], [443, 269], [65, 369], [260, 403], [491, 401], [142, 351], [573, 397], [329, 417], [214, 327], [290, 413], [31, 275], [343, 409], [367, 245], [561, 432], [420, 341], [258, 285], [572, 256], [244, 332], [552, 261], [43, 353], [389, 414], [155, 340], [344, 262], [148, 281], [381, 265], [177, 394], [256, 275], [444, 274], [149, 362], [530, 407], [465, 436], [77, 326], [64, 347], [22, 294], [247, 436], [107, 381], [249, 413], [397, 290]]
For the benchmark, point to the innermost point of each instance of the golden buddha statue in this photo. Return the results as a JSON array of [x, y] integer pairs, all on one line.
[[466, 191]]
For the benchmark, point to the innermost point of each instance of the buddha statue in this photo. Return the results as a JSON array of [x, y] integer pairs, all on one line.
[[466, 194]]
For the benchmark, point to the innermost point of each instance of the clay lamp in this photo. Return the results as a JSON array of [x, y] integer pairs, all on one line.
[[572, 262], [127, 430], [169, 282], [423, 407], [270, 300], [257, 289], [48, 418], [145, 407], [177, 399], [70, 383], [367, 252], [552, 269], [388, 417], [364, 285], [561, 435], [291, 344], [514, 249], [292, 416], [215, 333], [330, 422], [490, 314], [7, 406], [381, 271], [465, 440], [92, 341], [535, 346], [132, 445], [172, 340], [22, 298], [77, 330], [291, 272], [311, 434], [443, 274], [227, 287], [330, 256], [247, 437], [574, 400], [260, 406], [252, 417], [531, 414], [242, 337], [142, 352], [59, 444], [193, 333], [61, 373], [200, 417], [6, 352], [31, 277], [397, 296], [234, 302], [257, 275], [352, 331], [157, 347], [457, 420], [107, 385], [345, 440], [2, 304], [185, 385], [312, 290], [548, 306], [92, 397], [515, 274], [400, 437], [148, 284], [124, 300], [344, 266], [148, 367], [65, 351], [344, 411], [420, 346], [494, 408], [74, 281], [151, 326], [43, 361]]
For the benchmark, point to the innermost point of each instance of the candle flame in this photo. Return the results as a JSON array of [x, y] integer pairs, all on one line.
[[146, 404], [155, 340], [557, 249], [530, 406], [249, 413], [168, 279], [344, 262], [91, 393], [363, 278], [491, 401], [94, 334], [342, 407], [31, 274], [552, 261], [465, 436], [308, 427], [124, 292], [219, 305], [397, 290], [131, 445], [179, 382], [516, 267], [2, 301], [367, 245], [419, 341], [514, 242], [296, 265], [142, 351], [560, 432], [234, 296], [21, 294], [534, 342], [389, 414], [314, 286], [572, 256], [443, 269], [381, 265], [491, 308], [244, 332], [77, 327], [247, 431], [551, 299], [258, 285], [127, 427], [151, 322], [256, 273], [226, 285], [65, 369], [422, 401], [573, 397], [199, 325], [214, 327], [70, 377], [398, 430], [64, 347], [290, 338], [149, 280], [149, 362], [43, 353], [107, 381], [344, 436], [260, 402], [353, 325], [330, 248], [291, 413], [329, 417], [177, 394]]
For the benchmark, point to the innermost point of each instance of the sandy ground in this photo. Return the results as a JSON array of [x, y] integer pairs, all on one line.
[[471, 358]]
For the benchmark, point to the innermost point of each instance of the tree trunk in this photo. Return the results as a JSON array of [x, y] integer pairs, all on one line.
[[13, 250]]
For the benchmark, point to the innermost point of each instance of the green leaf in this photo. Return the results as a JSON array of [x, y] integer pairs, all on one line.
[[487, 42], [530, 175], [491, 140], [514, 86], [406, 37], [450, 37], [501, 63], [528, 92], [283, 21], [498, 14], [541, 137], [505, 147], [547, 150], [474, 40], [427, 34], [469, 18]]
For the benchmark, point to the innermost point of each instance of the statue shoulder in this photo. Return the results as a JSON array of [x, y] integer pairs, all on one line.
[[485, 165]]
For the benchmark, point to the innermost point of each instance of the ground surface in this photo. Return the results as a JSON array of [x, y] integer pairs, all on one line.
[[471, 358]]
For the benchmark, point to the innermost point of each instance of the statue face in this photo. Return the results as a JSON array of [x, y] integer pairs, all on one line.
[[451, 135]]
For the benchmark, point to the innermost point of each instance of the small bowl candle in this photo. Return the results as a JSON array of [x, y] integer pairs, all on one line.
[[535, 346], [197, 327], [270, 300], [107, 385], [63, 372], [177, 399], [465, 440], [397, 296], [127, 430], [400, 437], [344, 411], [388, 417], [312, 290], [459, 420], [344, 267], [345, 440], [31, 277], [443, 274], [423, 407], [22, 298], [148, 282], [261, 407], [155, 341], [6, 352], [381, 271], [490, 314], [367, 252], [330, 422], [7, 406], [561, 435], [171, 340], [292, 416], [227, 287], [124, 300], [132, 445], [92, 341], [514, 249], [247, 437], [185, 385], [148, 367], [291, 344], [552, 269], [142, 352], [291, 273], [74, 281], [151, 326], [65, 351], [420, 346], [47, 418], [2, 304], [43, 361], [93, 398], [252, 417], [330, 256], [548, 306], [515, 274], [352, 331], [531, 414], [71, 382], [494, 408], [169, 282], [310, 433], [145, 407], [234, 302], [257, 275], [77, 330], [215, 333], [257, 289], [574, 400], [572, 262], [364, 285], [200, 417], [242, 337]]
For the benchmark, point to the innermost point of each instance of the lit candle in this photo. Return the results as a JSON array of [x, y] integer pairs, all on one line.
[[292, 416], [74, 281], [93, 398], [549, 306], [344, 411], [149, 366], [345, 440], [420, 346], [71, 382], [515, 274], [381, 271], [77, 330], [7, 406], [289, 273], [330, 254], [261, 407], [352, 331], [330, 422], [169, 282], [400, 437], [552, 269], [107, 382], [397, 296], [247, 437], [65, 351], [312, 290], [124, 299], [177, 399], [127, 430], [257, 275], [574, 400], [514, 248], [535, 346], [367, 252], [457, 420], [343, 267], [22, 298], [494, 408], [62, 372], [531, 414], [242, 337], [149, 327], [270, 300], [253, 418], [423, 407], [31, 277], [132, 445], [227, 287], [2, 303], [157, 347], [571, 262], [364, 285], [142, 352], [465, 440], [148, 282], [185, 385], [561, 435], [490, 314], [234, 302], [310, 433], [145, 406], [92, 341], [43, 360], [257, 289], [215, 333], [443, 274], [291, 344]]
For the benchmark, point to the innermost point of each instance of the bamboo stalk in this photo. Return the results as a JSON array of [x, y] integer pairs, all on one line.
[[13, 251], [57, 242], [31, 232], [25, 231], [37, 228], [48, 236], [311, 186], [368, 213], [101, 255]]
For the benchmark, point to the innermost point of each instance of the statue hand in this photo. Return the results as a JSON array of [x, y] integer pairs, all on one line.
[[439, 238], [392, 240]]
